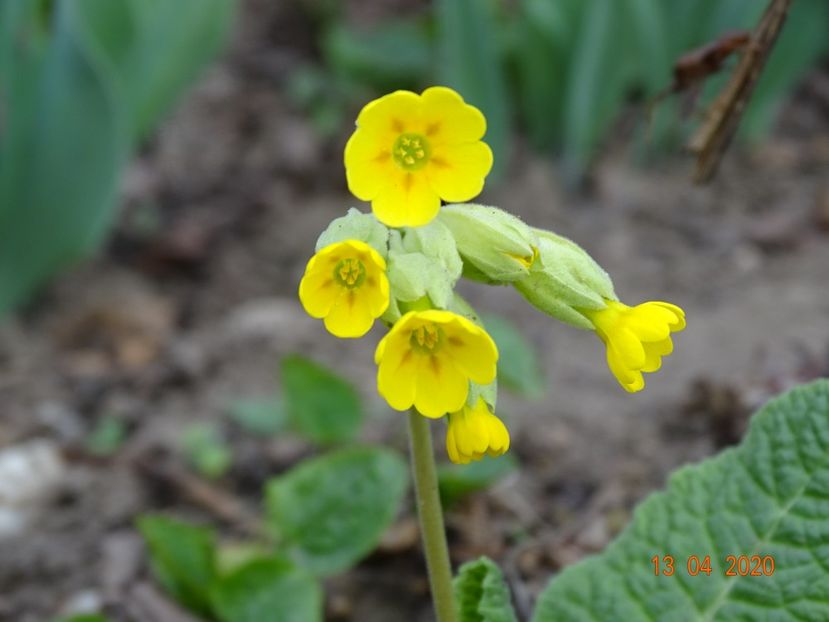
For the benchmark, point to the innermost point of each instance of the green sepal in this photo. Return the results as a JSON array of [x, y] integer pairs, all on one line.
[[356, 226], [496, 246]]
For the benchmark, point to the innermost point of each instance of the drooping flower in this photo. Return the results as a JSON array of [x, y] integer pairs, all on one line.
[[410, 151], [474, 432], [428, 358], [636, 337], [345, 284]]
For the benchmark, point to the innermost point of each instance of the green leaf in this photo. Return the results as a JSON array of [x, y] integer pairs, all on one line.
[[457, 481], [396, 53], [206, 450], [768, 497], [268, 591], [597, 79], [107, 436], [470, 62], [320, 405], [481, 593], [183, 558], [56, 102], [518, 367], [264, 417], [331, 511]]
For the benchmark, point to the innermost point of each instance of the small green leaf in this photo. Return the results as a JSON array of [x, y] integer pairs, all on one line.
[[264, 417], [183, 558], [518, 367], [457, 481], [481, 593], [107, 436], [768, 497], [206, 450], [270, 590], [321, 405], [470, 62], [331, 511]]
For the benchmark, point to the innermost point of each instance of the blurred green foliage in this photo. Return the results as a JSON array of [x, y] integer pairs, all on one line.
[[322, 517], [206, 450], [81, 83], [562, 70]]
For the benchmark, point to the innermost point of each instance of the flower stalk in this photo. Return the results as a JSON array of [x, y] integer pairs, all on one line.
[[430, 515]]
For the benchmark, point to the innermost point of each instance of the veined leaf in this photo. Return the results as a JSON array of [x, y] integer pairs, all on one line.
[[268, 590], [321, 405], [183, 558], [331, 511], [481, 593], [768, 497]]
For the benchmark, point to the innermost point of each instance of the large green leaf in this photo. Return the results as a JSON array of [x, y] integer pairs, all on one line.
[[767, 497], [269, 590], [62, 143], [331, 511], [470, 62], [183, 558], [481, 594], [321, 405]]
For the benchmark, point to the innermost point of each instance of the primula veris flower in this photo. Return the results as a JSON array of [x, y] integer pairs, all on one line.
[[474, 432], [409, 151], [345, 284], [428, 358], [636, 337]]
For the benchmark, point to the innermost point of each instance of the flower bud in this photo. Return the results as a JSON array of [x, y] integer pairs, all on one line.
[[414, 275], [356, 226], [495, 245], [564, 279], [435, 241]]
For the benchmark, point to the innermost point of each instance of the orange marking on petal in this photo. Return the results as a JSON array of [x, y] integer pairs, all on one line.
[[455, 341], [435, 363], [397, 125], [433, 128], [382, 157], [439, 162]]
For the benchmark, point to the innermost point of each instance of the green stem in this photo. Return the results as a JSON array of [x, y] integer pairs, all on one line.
[[430, 513]]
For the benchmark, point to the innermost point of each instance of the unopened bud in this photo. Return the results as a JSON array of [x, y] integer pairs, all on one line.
[[495, 245], [564, 279]]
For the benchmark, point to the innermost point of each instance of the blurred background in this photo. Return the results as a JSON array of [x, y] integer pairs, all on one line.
[[166, 167]]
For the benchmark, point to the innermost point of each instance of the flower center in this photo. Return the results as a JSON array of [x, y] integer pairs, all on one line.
[[410, 151], [427, 339], [350, 272]]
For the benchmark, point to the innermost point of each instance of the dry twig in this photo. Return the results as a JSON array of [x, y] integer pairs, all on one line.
[[715, 134]]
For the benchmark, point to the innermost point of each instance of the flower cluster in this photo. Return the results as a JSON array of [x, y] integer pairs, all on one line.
[[400, 264]]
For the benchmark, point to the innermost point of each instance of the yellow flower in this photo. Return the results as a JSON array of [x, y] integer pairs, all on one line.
[[474, 432], [636, 337], [410, 151], [345, 283], [428, 358]]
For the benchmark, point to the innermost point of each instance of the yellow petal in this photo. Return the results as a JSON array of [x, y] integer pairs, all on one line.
[[407, 200], [457, 172], [391, 114], [628, 347], [473, 350], [440, 386], [367, 163], [631, 380], [349, 316], [447, 119], [396, 374], [318, 292]]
